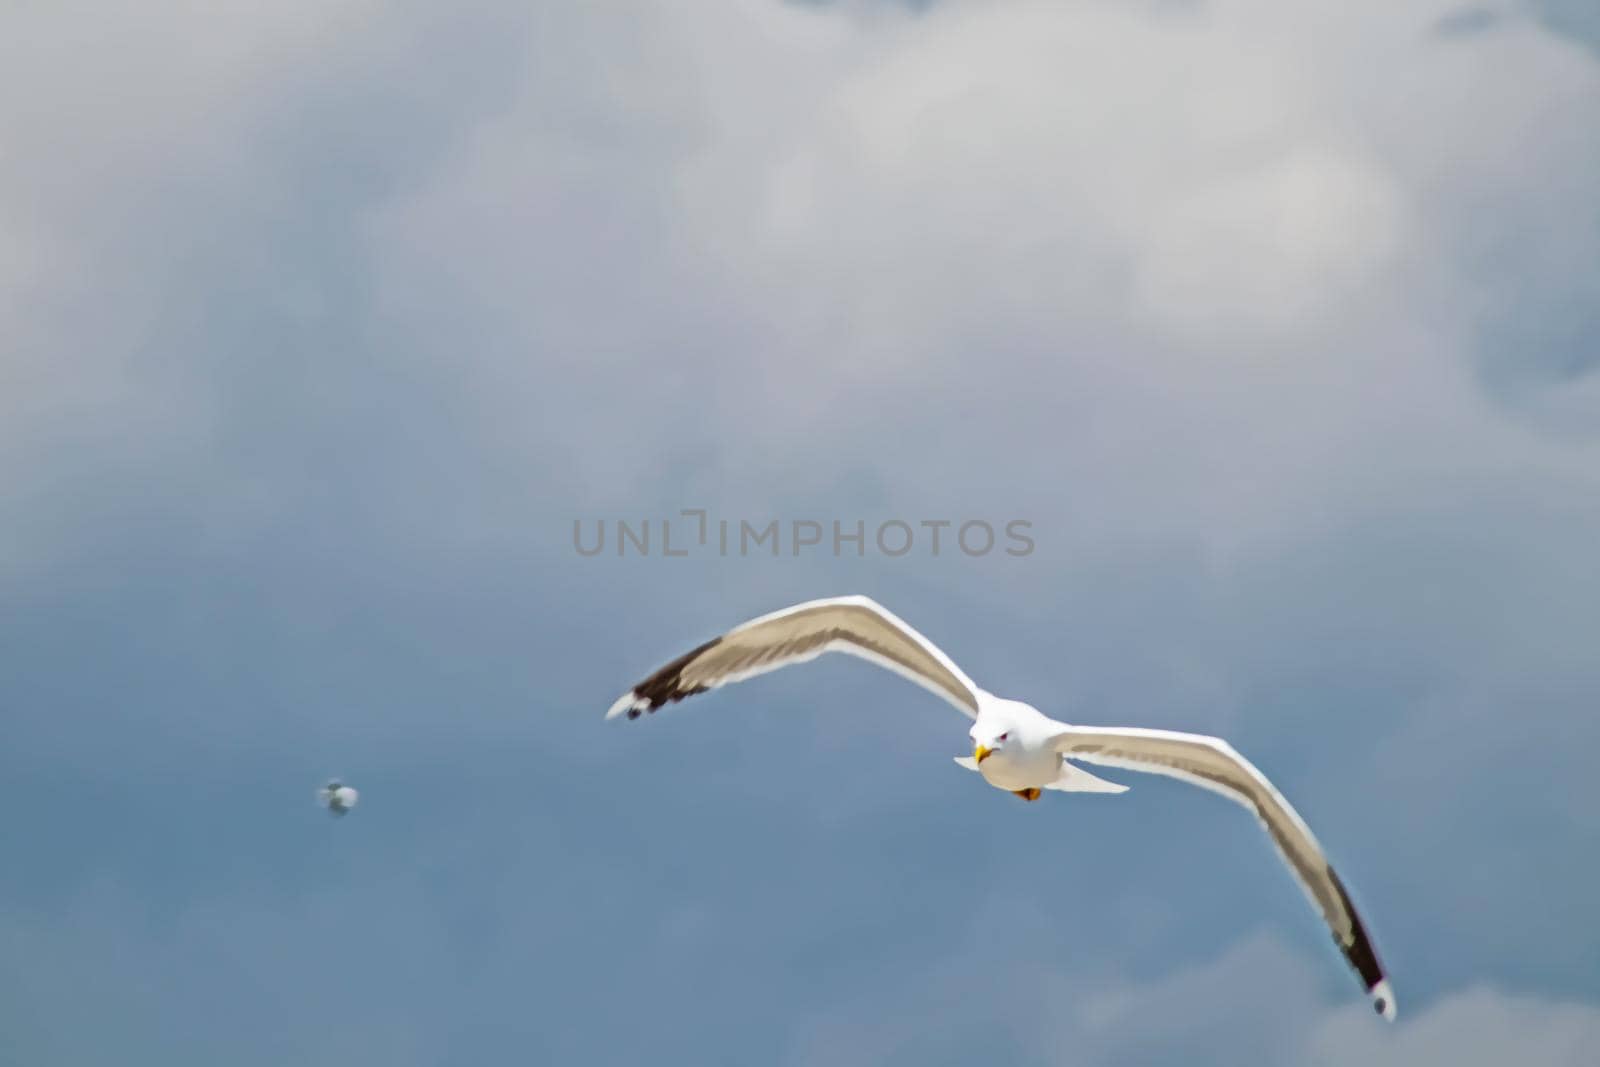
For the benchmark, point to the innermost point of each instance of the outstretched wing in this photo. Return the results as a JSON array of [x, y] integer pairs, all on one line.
[[1212, 763], [851, 624]]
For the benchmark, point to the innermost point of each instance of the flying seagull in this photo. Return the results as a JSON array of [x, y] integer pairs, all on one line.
[[337, 797], [1017, 748]]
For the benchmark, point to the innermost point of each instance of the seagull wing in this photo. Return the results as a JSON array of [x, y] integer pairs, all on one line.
[[1212, 763], [852, 624]]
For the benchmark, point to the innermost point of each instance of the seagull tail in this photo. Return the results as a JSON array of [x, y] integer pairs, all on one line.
[[1075, 779]]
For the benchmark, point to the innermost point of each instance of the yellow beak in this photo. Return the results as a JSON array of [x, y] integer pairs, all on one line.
[[982, 752]]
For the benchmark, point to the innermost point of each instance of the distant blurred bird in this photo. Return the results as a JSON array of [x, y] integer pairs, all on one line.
[[337, 797], [1017, 748]]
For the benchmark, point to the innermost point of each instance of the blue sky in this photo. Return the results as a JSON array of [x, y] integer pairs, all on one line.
[[322, 323]]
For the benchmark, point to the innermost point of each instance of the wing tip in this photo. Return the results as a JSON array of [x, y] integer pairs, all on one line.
[[630, 704], [664, 687], [1363, 958], [1383, 1000]]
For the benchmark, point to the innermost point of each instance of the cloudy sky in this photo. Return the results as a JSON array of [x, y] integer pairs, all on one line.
[[323, 321]]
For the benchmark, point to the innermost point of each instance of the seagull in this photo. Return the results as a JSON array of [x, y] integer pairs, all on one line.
[[337, 797], [1016, 747]]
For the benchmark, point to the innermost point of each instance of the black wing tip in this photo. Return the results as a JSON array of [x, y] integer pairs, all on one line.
[[1362, 956], [1382, 997], [663, 687]]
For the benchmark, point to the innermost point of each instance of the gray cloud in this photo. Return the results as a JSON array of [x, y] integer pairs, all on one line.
[[1571, 17]]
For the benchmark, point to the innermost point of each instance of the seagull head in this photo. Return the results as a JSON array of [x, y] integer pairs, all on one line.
[[990, 739], [1007, 729]]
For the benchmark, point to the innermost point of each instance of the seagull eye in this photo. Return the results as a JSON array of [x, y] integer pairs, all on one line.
[[1003, 736]]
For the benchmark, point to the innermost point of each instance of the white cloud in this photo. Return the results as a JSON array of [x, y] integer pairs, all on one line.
[[1213, 270], [1232, 254], [1479, 1027], [1257, 1002], [128, 164], [1282, 245]]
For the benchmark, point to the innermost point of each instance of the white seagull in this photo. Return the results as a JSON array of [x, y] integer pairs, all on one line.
[[337, 797], [1017, 748]]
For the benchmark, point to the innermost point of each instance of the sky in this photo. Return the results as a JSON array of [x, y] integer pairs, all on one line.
[[322, 324]]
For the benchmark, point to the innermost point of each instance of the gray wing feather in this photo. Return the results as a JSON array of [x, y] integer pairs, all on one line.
[[854, 625]]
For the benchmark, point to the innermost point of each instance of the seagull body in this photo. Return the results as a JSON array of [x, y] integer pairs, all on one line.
[[1017, 748]]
